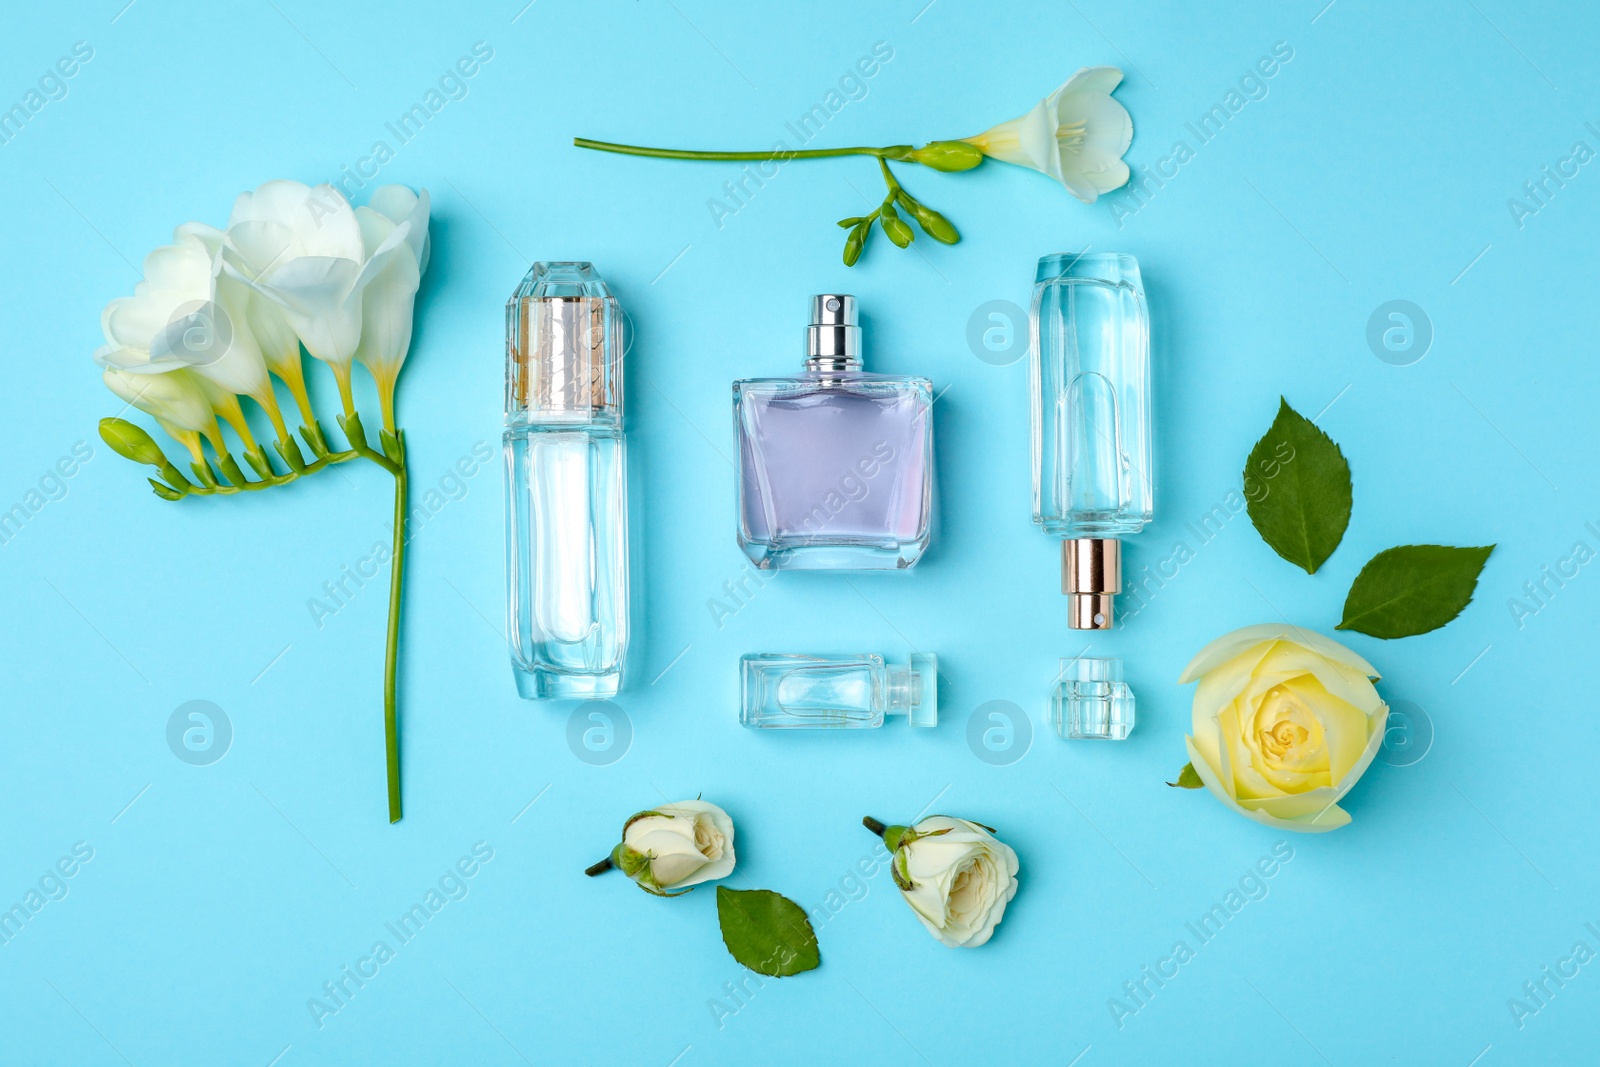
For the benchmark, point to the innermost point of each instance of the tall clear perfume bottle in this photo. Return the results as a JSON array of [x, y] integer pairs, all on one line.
[[843, 692], [1089, 374], [835, 466], [566, 485]]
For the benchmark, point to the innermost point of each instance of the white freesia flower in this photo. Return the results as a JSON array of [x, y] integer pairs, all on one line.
[[389, 303], [1077, 135], [176, 400], [184, 316], [280, 347], [304, 250], [675, 846], [956, 875]]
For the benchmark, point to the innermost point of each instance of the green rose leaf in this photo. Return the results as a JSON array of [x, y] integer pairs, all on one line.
[[1188, 778], [767, 932], [1297, 489], [1412, 589]]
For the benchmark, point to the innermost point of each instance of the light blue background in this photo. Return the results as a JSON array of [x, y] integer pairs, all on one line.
[[221, 898]]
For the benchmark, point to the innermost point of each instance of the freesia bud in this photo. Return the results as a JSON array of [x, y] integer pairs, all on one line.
[[895, 228], [854, 244], [948, 155], [131, 442], [933, 224]]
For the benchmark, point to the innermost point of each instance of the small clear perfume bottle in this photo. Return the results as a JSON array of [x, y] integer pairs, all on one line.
[[1091, 701], [1089, 375], [835, 466], [566, 485], [843, 692]]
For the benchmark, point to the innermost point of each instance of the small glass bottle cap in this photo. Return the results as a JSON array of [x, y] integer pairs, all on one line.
[[914, 690], [1091, 701]]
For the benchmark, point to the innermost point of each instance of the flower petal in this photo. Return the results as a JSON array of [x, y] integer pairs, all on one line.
[[1231, 644]]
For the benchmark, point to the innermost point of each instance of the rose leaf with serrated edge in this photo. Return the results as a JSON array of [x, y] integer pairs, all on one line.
[[1412, 589], [1297, 490], [766, 931]]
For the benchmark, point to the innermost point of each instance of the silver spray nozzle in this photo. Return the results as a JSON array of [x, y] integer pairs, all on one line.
[[833, 340]]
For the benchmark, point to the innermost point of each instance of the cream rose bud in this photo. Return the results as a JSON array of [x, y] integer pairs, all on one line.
[[956, 875], [676, 846], [1285, 722]]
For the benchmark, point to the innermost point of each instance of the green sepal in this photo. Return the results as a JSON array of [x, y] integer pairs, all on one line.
[[900, 872], [289, 449], [1188, 778], [353, 430], [852, 222], [173, 475], [948, 155], [636, 816], [315, 439], [165, 491], [391, 445], [202, 472], [257, 458], [230, 469], [628, 861], [131, 442]]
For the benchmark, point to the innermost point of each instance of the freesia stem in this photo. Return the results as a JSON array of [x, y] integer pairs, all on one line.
[[397, 563], [599, 868], [874, 825], [894, 152]]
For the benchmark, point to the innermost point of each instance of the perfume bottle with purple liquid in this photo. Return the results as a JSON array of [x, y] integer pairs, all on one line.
[[836, 465]]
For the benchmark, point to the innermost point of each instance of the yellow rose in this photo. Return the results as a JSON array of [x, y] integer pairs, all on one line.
[[1285, 722]]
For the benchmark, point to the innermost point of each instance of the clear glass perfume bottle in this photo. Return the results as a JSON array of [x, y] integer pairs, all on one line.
[[1089, 374], [566, 485], [844, 692], [835, 466], [1091, 701]]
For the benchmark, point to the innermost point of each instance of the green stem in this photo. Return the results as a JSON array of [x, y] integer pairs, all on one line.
[[396, 469], [397, 563], [888, 177], [226, 488], [892, 152]]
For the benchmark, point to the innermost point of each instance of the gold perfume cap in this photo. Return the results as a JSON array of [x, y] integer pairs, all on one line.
[[564, 344], [1091, 575]]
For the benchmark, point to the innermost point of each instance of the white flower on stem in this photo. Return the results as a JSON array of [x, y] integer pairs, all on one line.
[[280, 347], [175, 399], [395, 213], [302, 248], [184, 316], [673, 847], [1076, 135], [956, 875]]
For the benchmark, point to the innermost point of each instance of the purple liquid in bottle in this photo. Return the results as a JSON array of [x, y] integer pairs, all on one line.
[[835, 466]]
